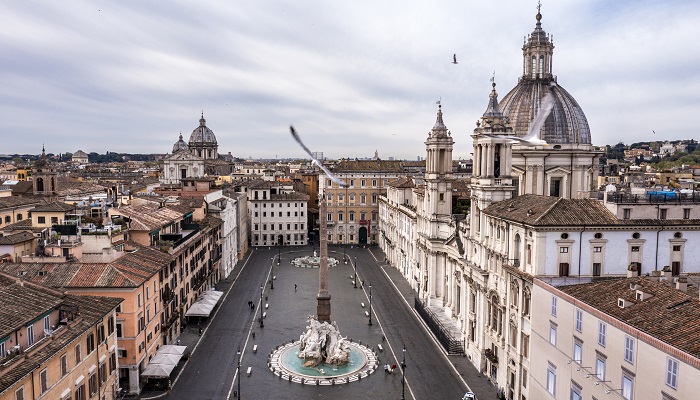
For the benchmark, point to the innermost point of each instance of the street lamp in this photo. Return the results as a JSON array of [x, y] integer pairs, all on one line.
[[370, 304], [238, 371], [279, 247], [262, 324], [355, 278], [403, 374]]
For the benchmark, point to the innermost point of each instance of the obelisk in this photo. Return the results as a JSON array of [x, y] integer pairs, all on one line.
[[323, 309]]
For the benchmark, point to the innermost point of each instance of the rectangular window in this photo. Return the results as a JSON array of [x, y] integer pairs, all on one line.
[[629, 349], [578, 351], [41, 220], [78, 354], [91, 343], [553, 335], [64, 365], [627, 387], [19, 393], [526, 346], [601, 333], [676, 247], [579, 320], [663, 213], [597, 249], [554, 306], [93, 384], [600, 368], [563, 249], [330, 216], [626, 212], [30, 335], [635, 249], [43, 381], [671, 372], [576, 391], [686, 213], [551, 379]]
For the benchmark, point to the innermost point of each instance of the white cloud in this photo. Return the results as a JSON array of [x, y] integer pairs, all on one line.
[[353, 77]]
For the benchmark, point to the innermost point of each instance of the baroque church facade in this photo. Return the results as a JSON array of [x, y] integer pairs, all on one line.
[[195, 158], [531, 218]]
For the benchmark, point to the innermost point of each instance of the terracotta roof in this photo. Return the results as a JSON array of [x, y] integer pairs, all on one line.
[[23, 225], [56, 206], [150, 216], [17, 238], [129, 270], [402, 183], [21, 303], [15, 201], [290, 196], [368, 165], [669, 315], [537, 210]]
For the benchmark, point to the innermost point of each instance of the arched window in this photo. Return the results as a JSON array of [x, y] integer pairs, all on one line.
[[541, 67], [534, 67], [340, 216], [516, 254]]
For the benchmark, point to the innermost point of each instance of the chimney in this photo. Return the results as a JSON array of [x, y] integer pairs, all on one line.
[[682, 283]]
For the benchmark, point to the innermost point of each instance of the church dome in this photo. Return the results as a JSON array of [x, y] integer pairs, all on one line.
[[180, 145], [566, 123], [202, 134]]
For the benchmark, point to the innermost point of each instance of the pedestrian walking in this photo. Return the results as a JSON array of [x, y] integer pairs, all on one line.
[[200, 331], [295, 287]]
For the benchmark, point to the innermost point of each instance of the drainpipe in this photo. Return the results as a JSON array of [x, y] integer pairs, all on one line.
[[544, 175], [656, 257], [580, 245], [571, 180], [523, 156]]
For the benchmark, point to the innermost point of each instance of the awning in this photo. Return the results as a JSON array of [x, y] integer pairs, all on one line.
[[199, 309], [167, 359], [213, 294], [158, 370], [171, 349]]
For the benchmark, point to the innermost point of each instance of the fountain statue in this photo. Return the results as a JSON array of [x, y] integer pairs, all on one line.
[[322, 344]]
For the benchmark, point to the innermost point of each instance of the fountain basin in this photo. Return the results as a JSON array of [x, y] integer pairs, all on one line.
[[285, 363]]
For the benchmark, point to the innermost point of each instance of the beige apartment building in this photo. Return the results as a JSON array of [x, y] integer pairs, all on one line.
[[54, 345], [135, 278], [352, 212], [627, 338]]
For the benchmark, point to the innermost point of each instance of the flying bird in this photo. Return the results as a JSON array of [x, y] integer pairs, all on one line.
[[454, 59], [334, 178], [531, 138]]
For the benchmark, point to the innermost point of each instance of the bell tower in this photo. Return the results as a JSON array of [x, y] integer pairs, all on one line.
[[43, 176], [492, 181], [438, 175]]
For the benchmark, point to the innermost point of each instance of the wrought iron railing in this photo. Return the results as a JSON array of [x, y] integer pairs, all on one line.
[[449, 342]]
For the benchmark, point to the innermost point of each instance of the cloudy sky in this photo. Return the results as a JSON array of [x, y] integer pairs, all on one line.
[[353, 76]]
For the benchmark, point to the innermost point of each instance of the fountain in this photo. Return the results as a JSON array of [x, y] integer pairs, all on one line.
[[327, 358]]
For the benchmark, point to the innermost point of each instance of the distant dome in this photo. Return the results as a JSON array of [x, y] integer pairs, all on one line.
[[566, 124], [180, 145], [202, 134], [80, 154]]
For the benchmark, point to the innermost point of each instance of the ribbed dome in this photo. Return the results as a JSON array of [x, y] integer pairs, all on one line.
[[566, 124], [202, 134], [180, 145]]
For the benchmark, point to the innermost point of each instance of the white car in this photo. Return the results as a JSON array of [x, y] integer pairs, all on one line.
[[469, 396]]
